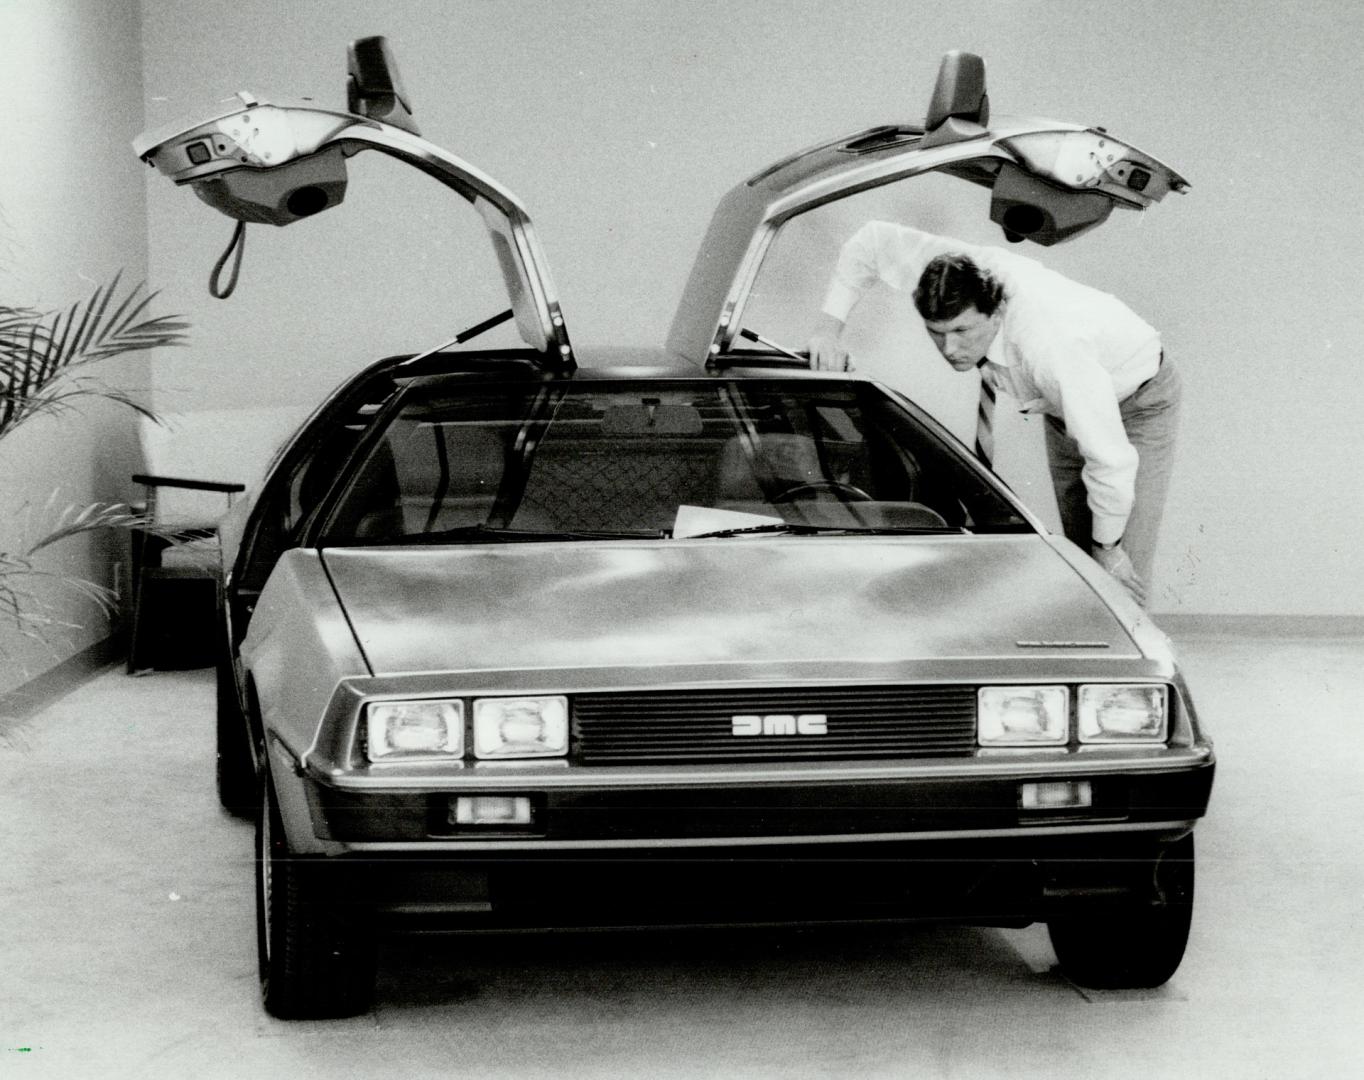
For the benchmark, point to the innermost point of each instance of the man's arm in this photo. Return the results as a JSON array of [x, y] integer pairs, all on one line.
[[1082, 388], [826, 354], [1118, 563], [878, 251], [1092, 419]]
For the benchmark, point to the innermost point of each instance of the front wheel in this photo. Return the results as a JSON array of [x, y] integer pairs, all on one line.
[[1138, 943], [315, 962]]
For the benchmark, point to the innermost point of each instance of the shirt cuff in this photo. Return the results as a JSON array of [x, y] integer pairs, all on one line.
[[840, 300], [1107, 529]]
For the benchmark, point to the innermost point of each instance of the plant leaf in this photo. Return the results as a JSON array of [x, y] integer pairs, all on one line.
[[40, 349]]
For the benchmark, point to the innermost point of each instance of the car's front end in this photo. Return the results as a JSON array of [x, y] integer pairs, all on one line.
[[513, 642], [617, 649], [563, 798]]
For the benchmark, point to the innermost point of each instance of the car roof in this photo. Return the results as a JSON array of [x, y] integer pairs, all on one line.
[[611, 364]]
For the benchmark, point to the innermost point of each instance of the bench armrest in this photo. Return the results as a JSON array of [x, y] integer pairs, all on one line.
[[147, 480]]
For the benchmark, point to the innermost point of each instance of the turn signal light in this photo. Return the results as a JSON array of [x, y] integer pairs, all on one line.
[[491, 810], [1056, 795]]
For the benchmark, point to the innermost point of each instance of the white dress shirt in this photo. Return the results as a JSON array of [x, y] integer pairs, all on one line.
[[1063, 348]]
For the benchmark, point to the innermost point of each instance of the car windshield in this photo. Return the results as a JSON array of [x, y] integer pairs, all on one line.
[[589, 459]]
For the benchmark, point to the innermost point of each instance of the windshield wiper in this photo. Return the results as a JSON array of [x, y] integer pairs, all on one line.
[[794, 528], [907, 530], [784, 527], [487, 534]]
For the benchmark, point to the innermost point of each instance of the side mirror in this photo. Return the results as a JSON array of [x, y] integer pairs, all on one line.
[[373, 87], [960, 107]]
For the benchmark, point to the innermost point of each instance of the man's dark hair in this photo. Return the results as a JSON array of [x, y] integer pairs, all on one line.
[[952, 283]]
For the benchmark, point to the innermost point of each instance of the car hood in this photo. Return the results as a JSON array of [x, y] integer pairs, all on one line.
[[786, 601]]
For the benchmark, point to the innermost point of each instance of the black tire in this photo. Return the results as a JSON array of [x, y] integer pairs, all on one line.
[[1138, 943], [238, 790], [316, 963]]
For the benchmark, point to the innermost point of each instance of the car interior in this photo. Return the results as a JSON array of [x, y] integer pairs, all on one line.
[[625, 460]]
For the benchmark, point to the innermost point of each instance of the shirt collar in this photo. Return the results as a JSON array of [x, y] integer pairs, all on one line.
[[997, 354]]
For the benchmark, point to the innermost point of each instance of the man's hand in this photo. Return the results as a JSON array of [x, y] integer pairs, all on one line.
[[826, 354], [1118, 563]]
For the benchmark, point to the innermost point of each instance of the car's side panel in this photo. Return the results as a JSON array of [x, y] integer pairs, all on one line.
[[1149, 637], [298, 648]]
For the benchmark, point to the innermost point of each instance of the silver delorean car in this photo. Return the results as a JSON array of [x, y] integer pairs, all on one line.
[[520, 637]]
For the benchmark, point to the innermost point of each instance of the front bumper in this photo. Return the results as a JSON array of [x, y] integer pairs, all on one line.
[[748, 813], [1008, 880], [937, 842]]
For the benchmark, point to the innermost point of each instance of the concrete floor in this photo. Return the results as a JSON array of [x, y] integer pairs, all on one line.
[[126, 908]]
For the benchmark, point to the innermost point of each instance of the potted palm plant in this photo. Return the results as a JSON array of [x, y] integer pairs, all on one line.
[[48, 366]]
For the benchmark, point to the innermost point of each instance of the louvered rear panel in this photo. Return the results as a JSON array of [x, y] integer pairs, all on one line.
[[666, 727]]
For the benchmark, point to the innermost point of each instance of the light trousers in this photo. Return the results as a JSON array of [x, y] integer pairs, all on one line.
[[1150, 416]]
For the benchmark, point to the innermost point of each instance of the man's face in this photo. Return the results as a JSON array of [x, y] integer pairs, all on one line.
[[964, 338]]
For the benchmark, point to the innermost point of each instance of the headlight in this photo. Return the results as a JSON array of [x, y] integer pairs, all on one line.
[[524, 727], [407, 730], [1022, 716], [1123, 714]]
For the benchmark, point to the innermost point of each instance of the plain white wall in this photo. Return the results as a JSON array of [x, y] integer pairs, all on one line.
[[621, 124], [72, 213]]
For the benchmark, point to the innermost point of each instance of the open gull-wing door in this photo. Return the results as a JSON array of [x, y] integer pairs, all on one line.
[[1049, 181], [276, 164]]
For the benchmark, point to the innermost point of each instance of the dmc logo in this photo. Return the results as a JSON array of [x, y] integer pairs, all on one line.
[[779, 724]]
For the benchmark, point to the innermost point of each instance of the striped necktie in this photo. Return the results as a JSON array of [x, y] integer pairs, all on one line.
[[985, 423]]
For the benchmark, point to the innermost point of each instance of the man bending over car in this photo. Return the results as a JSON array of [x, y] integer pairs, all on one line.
[[1079, 356]]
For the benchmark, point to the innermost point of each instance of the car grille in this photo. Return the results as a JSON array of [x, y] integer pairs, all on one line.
[[695, 726]]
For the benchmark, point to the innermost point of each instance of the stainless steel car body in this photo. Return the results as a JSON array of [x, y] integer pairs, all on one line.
[[564, 617], [632, 612], [628, 614], [316, 632]]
